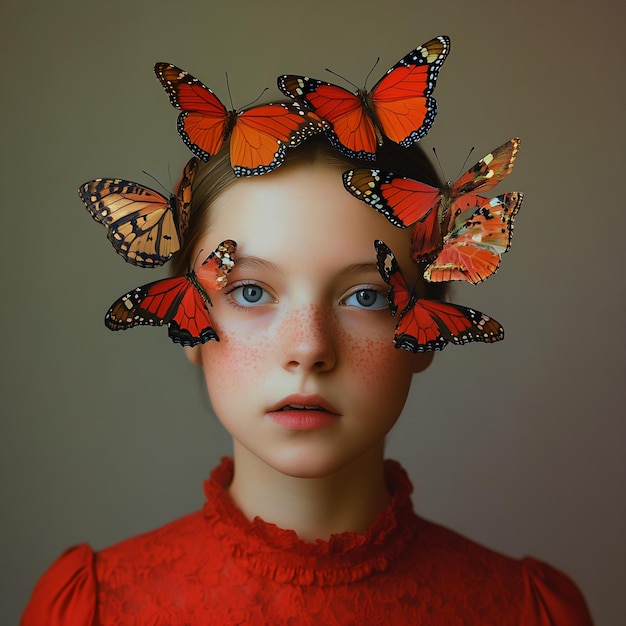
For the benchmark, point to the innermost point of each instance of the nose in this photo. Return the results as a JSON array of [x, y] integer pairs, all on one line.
[[308, 340]]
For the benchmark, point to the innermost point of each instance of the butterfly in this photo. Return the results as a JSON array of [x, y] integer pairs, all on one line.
[[400, 106], [259, 136], [427, 325], [181, 302], [144, 226], [460, 233]]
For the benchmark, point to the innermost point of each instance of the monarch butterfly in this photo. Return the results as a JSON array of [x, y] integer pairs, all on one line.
[[144, 227], [465, 232], [400, 106], [259, 136], [427, 325], [181, 302]]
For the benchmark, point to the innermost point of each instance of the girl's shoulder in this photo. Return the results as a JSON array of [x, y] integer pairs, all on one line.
[[67, 593], [544, 594]]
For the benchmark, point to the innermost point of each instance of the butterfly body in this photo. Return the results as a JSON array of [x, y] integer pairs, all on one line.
[[400, 106], [429, 325], [145, 227], [460, 233], [181, 302], [259, 136]]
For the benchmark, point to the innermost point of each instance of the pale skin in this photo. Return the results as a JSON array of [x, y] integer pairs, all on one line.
[[305, 376]]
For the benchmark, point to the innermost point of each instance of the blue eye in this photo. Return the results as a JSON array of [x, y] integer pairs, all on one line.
[[250, 295], [367, 299]]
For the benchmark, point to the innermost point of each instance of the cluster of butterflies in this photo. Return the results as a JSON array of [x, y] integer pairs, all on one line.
[[456, 233]]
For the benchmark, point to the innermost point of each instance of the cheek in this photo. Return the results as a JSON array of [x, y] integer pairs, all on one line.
[[231, 363], [376, 363]]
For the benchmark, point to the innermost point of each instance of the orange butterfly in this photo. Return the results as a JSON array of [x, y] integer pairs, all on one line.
[[181, 302], [259, 136], [400, 106], [144, 226], [427, 325], [465, 233]]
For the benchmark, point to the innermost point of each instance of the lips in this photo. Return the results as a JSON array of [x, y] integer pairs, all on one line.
[[304, 412]]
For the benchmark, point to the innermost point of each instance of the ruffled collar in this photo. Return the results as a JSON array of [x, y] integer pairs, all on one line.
[[281, 555]]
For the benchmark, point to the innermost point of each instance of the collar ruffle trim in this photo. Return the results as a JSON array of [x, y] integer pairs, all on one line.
[[281, 555]]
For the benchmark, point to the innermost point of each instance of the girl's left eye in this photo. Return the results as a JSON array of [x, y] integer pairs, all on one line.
[[250, 295], [367, 299]]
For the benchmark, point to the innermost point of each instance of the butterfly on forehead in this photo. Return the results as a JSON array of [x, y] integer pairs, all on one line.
[[428, 325], [461, 234], [144, 226], [182, 302], [400, 106], [259, 135]]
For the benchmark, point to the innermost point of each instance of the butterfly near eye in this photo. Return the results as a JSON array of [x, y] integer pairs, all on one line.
[[428, 325], [400, 106], [182, 302], [144, 227], [259, 135], [462, 235]]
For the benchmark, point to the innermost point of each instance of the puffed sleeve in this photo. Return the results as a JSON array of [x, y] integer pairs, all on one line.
[[66, 594], [552, 598]]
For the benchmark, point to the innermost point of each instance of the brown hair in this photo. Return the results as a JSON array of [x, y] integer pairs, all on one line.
[[214, 177]]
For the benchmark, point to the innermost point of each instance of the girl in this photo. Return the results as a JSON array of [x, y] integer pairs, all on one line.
[[307, 523]]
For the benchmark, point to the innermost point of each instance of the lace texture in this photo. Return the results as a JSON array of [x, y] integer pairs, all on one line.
[[217, 567]]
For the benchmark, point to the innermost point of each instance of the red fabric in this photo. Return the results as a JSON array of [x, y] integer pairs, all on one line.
[[216, 567]]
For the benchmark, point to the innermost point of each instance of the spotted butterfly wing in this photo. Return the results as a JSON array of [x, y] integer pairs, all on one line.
[[400, 106], [182, 302], [259, 136], [476, 240], [144, 226], [464, 232], [428, 325], [404, 202]]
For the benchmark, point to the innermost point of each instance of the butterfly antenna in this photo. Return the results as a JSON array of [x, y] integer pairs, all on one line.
[[197, 257], [465, 162], [257, 98], [230, 95], [343, 78], [443, 174], [157, 181], [370, 72]]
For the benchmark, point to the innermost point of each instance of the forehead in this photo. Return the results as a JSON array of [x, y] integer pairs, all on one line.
[[302, 211]]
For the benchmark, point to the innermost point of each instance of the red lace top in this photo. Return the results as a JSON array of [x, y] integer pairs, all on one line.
[[215, 567]]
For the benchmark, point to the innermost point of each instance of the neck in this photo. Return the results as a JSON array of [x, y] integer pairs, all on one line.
[[315, 508]]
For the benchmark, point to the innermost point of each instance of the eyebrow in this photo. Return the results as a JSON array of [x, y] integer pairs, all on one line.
[[360, 268], [254, 262]]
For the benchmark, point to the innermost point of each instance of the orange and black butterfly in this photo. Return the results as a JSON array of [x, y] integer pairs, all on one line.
[[400, 106], [428, 325], [460, 233], [182, 302], [144, 226], [259, 135]]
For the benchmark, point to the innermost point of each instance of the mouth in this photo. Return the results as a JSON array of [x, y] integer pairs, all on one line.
[[299, 413]]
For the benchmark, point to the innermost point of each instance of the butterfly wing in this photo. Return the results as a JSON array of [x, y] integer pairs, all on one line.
[[401, 100], [404, 202], [351, 130], [487, 173], [428, 325], [203, 123], [182, 302], [183, 197], [141, 223], [262, 134], [473, 248]]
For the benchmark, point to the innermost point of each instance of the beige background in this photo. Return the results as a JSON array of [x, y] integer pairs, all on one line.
[[519, 445]]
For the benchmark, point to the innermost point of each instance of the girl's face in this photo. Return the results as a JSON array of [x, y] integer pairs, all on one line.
[[305, 376]]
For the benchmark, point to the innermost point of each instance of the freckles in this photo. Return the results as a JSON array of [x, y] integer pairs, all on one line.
[[235, 360], [371, 359]]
